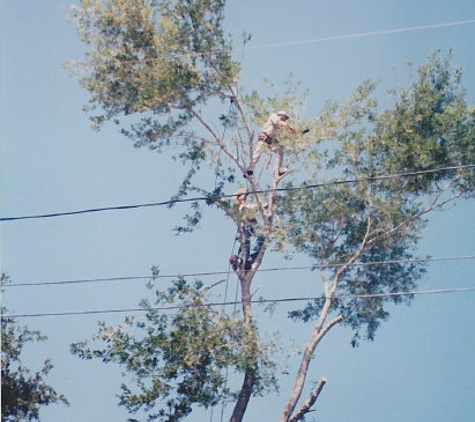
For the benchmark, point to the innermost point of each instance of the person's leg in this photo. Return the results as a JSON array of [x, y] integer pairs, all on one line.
[[256, 155], [248, 231], [259, 243], [279, 158]]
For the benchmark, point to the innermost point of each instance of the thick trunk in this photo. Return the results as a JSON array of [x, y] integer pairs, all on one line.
[[250, 373], [244, 396]]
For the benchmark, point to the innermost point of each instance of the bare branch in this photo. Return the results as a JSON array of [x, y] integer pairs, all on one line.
[[355, 256], [204, 124], [317, 334], [217, 140], [433, 206], [307, 406], [206, 288], [250, 132]]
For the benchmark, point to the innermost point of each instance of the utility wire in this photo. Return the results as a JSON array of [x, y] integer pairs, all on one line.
[[298, 42], [308, 41], [217, 273], [234, 303], [361, 35], [218, 197]]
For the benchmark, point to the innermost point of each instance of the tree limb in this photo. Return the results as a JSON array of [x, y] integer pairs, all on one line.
[[306, 407], [434, 205], [317, 334]]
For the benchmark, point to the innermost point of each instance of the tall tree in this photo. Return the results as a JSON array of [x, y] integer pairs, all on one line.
[[23, 392], [165, 67]]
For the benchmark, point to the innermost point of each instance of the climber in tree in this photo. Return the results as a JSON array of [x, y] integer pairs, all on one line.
[[267, 139], [246, 214]]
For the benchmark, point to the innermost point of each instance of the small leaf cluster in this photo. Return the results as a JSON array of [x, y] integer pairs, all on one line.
[[23, 392]]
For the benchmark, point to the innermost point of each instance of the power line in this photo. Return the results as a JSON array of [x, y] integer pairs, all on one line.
[[308, 41], [297, 42], [362, 35], [234, 303], [216, 273], [218, 197]]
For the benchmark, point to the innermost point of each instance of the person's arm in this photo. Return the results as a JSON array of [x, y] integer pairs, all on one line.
[[284, 123], [290, 127]]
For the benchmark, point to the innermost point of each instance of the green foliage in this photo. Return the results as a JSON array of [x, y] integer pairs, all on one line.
[[151, 67], [157, 58], [178, 357], [373, 221], [430, 126], [346, 224], [156, 68], [23, 392]]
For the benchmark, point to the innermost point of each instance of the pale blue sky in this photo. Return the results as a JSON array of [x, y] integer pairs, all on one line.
[[421, 366]]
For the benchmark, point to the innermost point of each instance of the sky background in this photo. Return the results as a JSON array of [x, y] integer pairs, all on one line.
[[421, 366]]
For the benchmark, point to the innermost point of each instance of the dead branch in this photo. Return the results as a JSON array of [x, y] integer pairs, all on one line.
[[317, 335], [307, 406]]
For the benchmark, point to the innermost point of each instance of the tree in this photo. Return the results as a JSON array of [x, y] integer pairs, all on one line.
[[165, 68], [23, 393]]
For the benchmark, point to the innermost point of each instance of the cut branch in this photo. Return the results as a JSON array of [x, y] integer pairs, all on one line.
[[307, 406], [317, 334]]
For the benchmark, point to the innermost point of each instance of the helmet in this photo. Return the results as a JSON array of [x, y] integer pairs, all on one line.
[[239, 192], [235, 261]]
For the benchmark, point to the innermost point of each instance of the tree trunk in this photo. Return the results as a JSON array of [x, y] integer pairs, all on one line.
[[244, 396], [250, 374]]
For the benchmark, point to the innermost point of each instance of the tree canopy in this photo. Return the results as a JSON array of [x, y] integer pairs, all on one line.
[[368, 175]]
